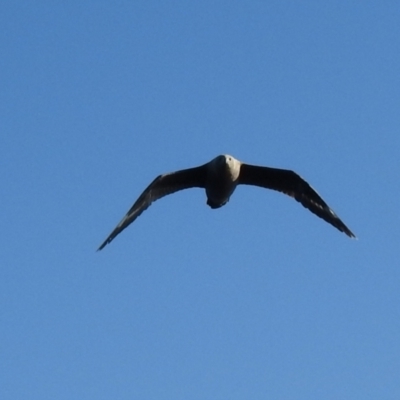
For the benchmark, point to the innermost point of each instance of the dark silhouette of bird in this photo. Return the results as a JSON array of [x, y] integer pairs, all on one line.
[[219, 178]]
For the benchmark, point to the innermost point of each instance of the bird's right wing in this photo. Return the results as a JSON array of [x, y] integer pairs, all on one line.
[[162, 186]]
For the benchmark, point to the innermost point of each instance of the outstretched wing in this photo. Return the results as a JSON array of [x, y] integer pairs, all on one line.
[[162, 186], [290, 183]]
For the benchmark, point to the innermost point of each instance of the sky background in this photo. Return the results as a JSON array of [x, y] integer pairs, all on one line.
[[257, 300]]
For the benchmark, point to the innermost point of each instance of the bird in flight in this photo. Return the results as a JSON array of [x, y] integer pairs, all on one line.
[[219, 178]]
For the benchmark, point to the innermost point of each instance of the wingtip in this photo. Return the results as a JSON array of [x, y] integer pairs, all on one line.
[[102, 245], [350, 234]]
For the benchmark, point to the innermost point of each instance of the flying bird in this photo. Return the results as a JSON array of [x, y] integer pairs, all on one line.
[[219, 178]]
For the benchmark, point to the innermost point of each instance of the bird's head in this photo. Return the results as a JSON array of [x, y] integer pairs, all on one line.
[[224, 160]]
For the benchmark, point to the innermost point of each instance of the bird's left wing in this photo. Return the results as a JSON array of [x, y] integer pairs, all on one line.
[[162, 186], [290, 183]]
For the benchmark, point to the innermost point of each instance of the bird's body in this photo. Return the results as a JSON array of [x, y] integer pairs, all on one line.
[[219, 178], [222, 179]]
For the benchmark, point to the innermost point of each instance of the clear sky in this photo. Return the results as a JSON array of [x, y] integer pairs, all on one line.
[[257, 300]]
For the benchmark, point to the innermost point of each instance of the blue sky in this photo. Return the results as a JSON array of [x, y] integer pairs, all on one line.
[[259, 299]]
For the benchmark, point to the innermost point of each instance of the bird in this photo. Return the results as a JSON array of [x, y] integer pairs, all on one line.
[[219, 178]]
